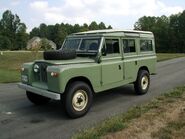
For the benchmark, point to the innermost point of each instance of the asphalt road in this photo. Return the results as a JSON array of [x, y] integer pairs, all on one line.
[[21, 119]]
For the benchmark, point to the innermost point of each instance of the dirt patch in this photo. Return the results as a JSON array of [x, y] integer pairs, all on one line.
[[150, 124]]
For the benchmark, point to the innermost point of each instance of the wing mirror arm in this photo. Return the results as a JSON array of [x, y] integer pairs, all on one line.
[[103, 51]]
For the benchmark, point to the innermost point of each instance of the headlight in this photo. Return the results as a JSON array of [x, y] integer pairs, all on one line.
[[36, 68]]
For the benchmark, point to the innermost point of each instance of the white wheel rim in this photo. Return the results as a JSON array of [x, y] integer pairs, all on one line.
[[144, 82], [80, 99]]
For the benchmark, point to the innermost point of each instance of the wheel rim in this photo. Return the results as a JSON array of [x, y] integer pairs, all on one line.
[[144, 82], [80, 100]]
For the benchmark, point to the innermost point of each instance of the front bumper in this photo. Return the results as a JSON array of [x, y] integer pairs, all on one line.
[[41, 92]]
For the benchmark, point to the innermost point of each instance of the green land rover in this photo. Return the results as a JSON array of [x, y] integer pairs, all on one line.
[[88, 63]]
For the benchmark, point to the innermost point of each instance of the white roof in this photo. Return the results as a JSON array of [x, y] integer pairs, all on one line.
[[112, 31]]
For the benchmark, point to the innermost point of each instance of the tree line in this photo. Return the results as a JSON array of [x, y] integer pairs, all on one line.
[[169, 31], [13, 35], [58, 32]]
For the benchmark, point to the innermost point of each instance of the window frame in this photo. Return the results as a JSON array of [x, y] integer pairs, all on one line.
[[114, 55], [146, 39], [136, 44]]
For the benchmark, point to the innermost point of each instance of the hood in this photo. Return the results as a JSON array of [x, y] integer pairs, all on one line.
[[77, 60]]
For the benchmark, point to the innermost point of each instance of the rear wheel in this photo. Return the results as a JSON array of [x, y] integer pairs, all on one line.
[[142, 83], [78, 99], [37, 99]]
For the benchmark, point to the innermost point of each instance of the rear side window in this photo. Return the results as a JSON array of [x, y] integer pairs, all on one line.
[[112, 46], [146, 45], [129, 46]]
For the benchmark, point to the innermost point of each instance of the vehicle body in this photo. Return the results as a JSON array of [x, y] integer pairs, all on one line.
[[117, 57]]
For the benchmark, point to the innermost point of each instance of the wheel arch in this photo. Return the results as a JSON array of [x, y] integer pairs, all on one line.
[[144, 68], [80, 78]]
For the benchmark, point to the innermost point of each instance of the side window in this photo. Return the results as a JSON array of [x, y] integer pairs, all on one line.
[[112, 46], [146, 45], [129, 46]]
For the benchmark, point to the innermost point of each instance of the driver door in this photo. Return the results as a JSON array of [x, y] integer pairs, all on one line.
[[112, 64]]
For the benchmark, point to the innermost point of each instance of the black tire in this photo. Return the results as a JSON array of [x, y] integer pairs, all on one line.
[[142, 83], [75, 99], [59, 55], [37, 99]]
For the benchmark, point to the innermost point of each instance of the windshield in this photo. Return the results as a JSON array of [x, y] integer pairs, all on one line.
[[71, 44], [82, 45]]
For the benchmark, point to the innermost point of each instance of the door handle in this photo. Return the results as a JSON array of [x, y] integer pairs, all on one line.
[[119, 67]]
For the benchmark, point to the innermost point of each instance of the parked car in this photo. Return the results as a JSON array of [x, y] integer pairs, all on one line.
[[88, 63]]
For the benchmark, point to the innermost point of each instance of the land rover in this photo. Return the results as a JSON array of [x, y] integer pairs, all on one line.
[[88, 63]]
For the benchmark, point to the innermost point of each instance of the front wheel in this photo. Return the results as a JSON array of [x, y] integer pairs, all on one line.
[[78, 99], [142, 83]]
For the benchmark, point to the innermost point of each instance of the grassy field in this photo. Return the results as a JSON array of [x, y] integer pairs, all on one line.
[[162, 118], [167, 56], [10, 63]]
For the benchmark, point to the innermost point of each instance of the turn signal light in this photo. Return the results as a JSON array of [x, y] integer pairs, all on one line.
[[54, 74]]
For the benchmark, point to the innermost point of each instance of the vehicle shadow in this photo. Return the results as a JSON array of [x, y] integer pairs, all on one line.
[[123, 91], [55, 109]]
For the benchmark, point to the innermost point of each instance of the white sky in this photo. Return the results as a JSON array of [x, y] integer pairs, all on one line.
[[117, 13]]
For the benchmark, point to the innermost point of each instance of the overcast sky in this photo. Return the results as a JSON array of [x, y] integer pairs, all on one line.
[[121, 14]]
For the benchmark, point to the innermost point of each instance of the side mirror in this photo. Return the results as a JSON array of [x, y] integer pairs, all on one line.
[[104, 51]]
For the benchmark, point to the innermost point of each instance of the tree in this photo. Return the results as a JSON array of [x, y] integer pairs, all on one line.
[[11, 27], [169, 31], [145, 23], [182, 32], [21, 41], [45, 45], [159, 26], [5, 43], [35, 32], [85, 27], [101, 26], [76, 28], [93, 26], [60, 35], [43, 30], [109, 27]]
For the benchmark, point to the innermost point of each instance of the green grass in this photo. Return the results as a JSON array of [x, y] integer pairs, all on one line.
[[167, 56], [7, 76], [10, 64], [119, 122]]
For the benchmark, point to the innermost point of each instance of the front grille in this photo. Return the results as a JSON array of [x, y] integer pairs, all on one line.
[[42, 74]]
